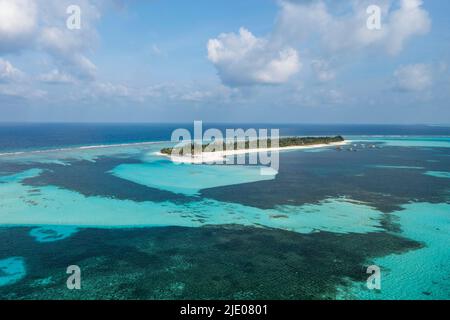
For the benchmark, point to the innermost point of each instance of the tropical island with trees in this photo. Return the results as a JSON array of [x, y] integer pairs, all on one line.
[[252, 145]]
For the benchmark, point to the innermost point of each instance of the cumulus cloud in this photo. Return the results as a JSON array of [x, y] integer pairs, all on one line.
[[15, 83], [415, 77], [20, 89], [40, 25], [111, 89], [243, 59], [8, 73], [56, 76], [300, 20], [408, 21], [67, 50], [321, 28], [70, 48], [18, 21]]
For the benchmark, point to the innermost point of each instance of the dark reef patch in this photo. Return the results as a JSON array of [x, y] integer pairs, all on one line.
[[9, 168], [220, 262], [304, 177], [311, 177]]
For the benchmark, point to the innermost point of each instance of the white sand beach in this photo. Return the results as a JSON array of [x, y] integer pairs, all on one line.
[[219, 156]]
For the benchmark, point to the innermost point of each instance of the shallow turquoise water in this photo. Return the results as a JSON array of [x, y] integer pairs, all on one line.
[[422, 273], [11, 270], [438, 174], [398, 167], [52, 233], [429, 142], [188, 179], [59, 207], [88, 153]]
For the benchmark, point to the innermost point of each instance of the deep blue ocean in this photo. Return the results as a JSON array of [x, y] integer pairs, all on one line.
[[17, 137]]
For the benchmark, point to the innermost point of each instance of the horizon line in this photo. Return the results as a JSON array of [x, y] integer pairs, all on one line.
[[222, 122]]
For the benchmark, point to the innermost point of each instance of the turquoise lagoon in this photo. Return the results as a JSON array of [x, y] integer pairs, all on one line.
[[188, 179], [53, 206], [11, 270], [418, 274], [439, 174], [55, 214], [408, 141]]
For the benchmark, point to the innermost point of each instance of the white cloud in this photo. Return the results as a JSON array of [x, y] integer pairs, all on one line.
[[15, 83], [408, 21], [318, 28], [17, 24], [196, 96], [56, 76], [110, 89], [40, 25], [243, 59], [67, 51], [8, 73], [415, 77], [22, 92], [69, 48], [300, 21]]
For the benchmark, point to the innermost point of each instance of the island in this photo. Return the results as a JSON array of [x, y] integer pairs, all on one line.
[[220, 149]]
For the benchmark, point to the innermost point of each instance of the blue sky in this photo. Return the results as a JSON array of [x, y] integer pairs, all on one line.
[[302, 61]]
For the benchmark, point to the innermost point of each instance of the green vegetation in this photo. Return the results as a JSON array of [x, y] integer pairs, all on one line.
[[254, 144]]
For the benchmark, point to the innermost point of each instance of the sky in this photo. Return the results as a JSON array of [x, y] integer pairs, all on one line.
[[293, 61]]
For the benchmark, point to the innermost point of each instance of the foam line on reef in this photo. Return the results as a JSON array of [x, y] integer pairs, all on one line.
[[101, 146]]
